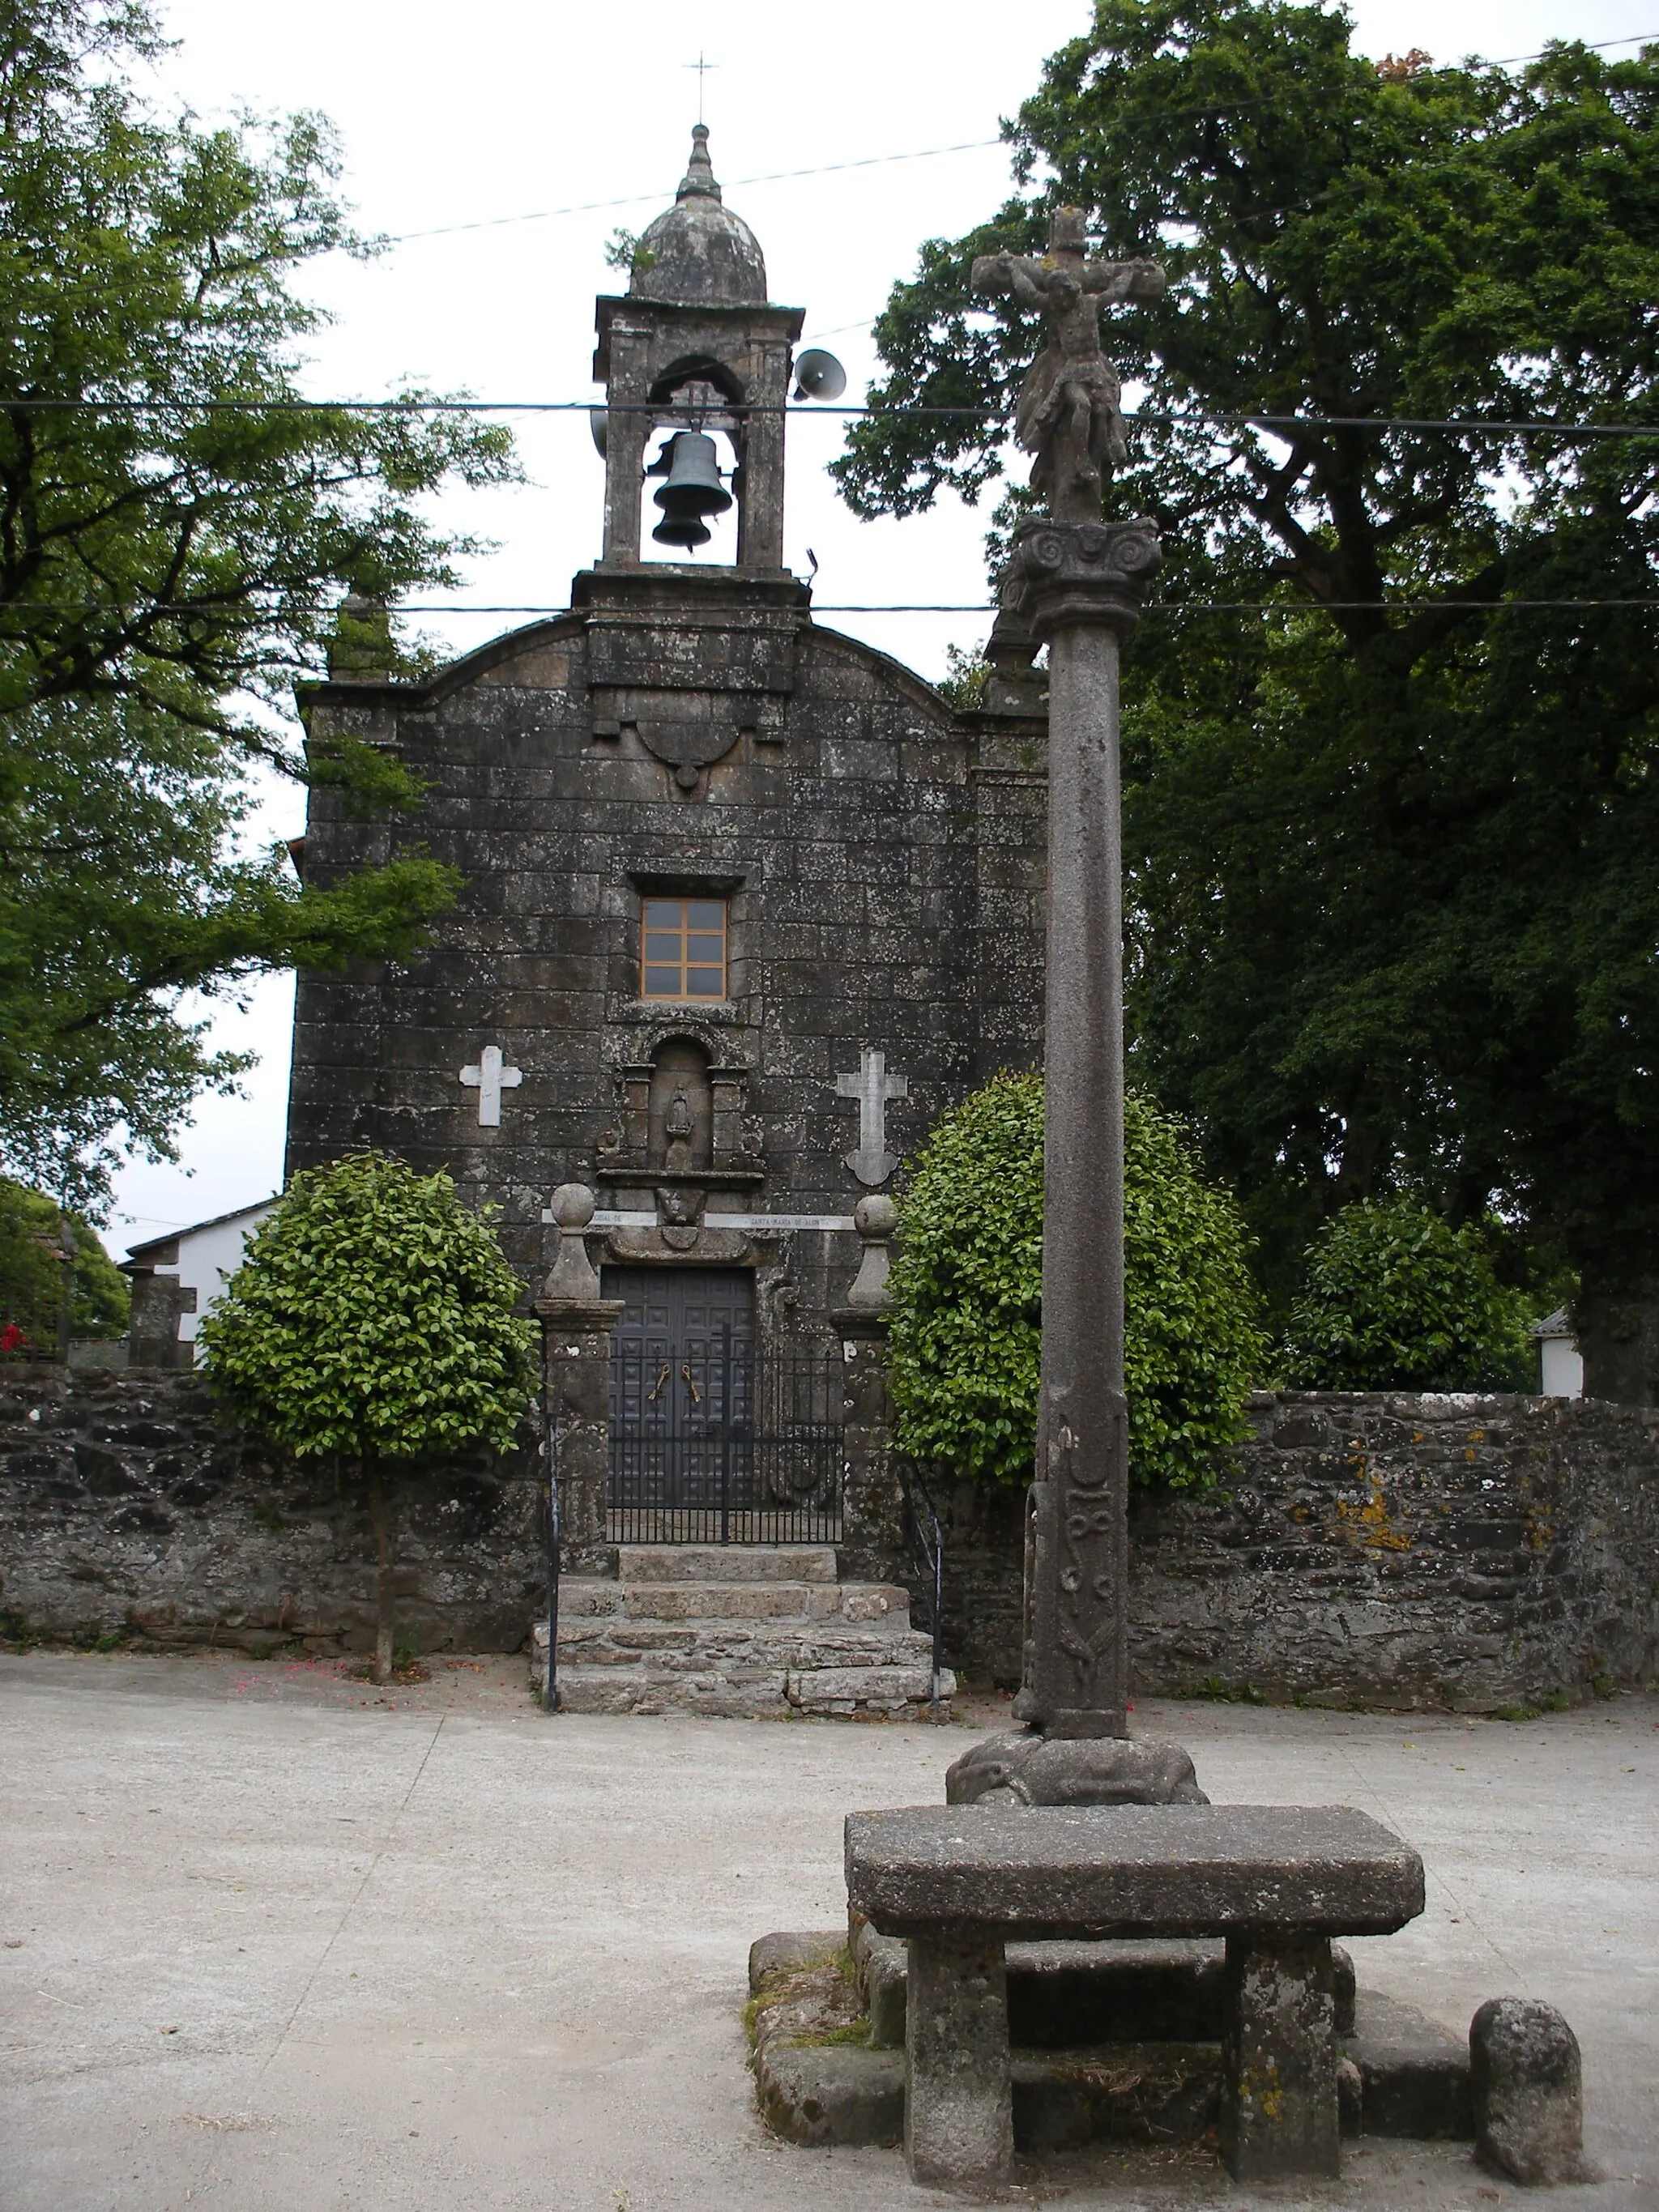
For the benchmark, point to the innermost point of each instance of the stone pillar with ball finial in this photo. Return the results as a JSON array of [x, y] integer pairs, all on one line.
[[577, 1321], [874, 1549]]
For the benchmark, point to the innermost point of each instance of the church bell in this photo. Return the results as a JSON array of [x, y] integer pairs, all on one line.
[[693, 490]]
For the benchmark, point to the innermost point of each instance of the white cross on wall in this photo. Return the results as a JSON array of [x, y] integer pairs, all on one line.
[[489, 1078], [872, 1087]]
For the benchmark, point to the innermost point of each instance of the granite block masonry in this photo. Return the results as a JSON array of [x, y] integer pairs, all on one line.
[[1476, 1553], [1354, 1563], [745, 906], [127, 1511], [853, 866]]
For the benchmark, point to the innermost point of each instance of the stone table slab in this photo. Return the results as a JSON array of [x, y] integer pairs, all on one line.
[[1130, 1870]]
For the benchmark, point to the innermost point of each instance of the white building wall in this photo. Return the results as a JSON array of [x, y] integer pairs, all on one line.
[[208, 1257], [1563, 1367]]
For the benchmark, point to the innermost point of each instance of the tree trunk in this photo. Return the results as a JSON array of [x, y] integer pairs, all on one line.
[[1617, 1324], [381, 1671]]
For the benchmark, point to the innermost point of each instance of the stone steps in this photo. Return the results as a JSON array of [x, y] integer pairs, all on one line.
[[750, 1631], [727, 1563], [727, 1601]]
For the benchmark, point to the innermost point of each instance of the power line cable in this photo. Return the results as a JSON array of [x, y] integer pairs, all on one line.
[[927, 153], [665, 410], [654, 199], [253, 615], [1593, 45]]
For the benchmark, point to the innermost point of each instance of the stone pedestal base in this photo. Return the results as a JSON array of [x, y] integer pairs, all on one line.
[[1278, 2058], [958, 2109], [1025, 1767]]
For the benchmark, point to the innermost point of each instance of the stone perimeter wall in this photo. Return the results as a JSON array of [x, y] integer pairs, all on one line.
[[126, 1511], [1472, 1553], [1475, 1553]]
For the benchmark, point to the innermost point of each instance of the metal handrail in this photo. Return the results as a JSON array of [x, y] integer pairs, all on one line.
[[926, 1542], [555, 1547]]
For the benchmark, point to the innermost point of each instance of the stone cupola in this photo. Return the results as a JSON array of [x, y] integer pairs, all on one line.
[[698, 253], [695, 344]]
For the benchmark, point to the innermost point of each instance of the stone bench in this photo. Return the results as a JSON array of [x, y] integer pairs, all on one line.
[[1277, 1882]]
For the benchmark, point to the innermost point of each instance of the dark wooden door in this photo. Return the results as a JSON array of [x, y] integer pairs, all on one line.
[[682, 1388]]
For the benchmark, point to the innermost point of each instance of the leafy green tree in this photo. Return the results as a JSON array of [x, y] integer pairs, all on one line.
[[372, 1323], [966, 680], [32, 1268], [1396, 1298], [1391, 906], [121, 884], [176, 525], [965, 1344]]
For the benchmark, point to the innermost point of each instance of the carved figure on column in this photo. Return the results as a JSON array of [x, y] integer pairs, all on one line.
[[1070, 412]]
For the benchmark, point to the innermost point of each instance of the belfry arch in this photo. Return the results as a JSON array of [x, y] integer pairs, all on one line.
[[693, 344]]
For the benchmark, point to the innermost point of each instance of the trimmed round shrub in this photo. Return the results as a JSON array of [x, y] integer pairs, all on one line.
[[372, 1318], [372, 1322], [965, 1351], [1396, 1298]]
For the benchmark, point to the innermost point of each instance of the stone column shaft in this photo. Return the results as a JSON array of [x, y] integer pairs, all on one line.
[[873, 1546], [577, 1369], [628, 432], [577, 1323], [1279, 2099], [1077, 1622], [958, 2097], [1077, 587], [760, 513]]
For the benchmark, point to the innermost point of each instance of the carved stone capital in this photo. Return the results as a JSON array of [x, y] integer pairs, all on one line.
[[1067, 573], [1023, 1767]]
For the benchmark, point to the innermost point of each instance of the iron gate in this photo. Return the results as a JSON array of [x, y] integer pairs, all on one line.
[[713, 1439]]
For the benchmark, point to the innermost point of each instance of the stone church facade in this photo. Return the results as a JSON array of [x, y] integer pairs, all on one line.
[[747, 904]]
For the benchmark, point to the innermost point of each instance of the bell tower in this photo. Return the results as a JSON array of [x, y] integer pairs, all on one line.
[[694, 346]]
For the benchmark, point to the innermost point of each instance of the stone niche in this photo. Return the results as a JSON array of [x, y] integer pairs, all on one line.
[[681, 1118], [680, 1108]]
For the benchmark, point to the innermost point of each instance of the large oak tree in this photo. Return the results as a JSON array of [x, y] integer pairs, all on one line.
[[1395, 898]]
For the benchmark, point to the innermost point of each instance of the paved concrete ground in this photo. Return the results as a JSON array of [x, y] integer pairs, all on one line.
[[272, 1941]]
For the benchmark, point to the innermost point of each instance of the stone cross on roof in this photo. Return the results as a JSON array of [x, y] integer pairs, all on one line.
[[489, 1078], [872, 1087]]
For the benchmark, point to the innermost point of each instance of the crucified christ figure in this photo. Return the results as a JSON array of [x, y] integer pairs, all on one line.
[[1069, 413]]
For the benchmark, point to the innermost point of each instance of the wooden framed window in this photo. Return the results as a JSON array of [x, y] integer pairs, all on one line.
[[683, 948]]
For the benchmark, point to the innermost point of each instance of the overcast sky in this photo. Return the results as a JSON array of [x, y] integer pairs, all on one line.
[[463, 117]]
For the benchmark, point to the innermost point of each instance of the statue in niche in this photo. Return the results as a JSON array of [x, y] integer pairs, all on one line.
[[679, 1126], [682, 1108]]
